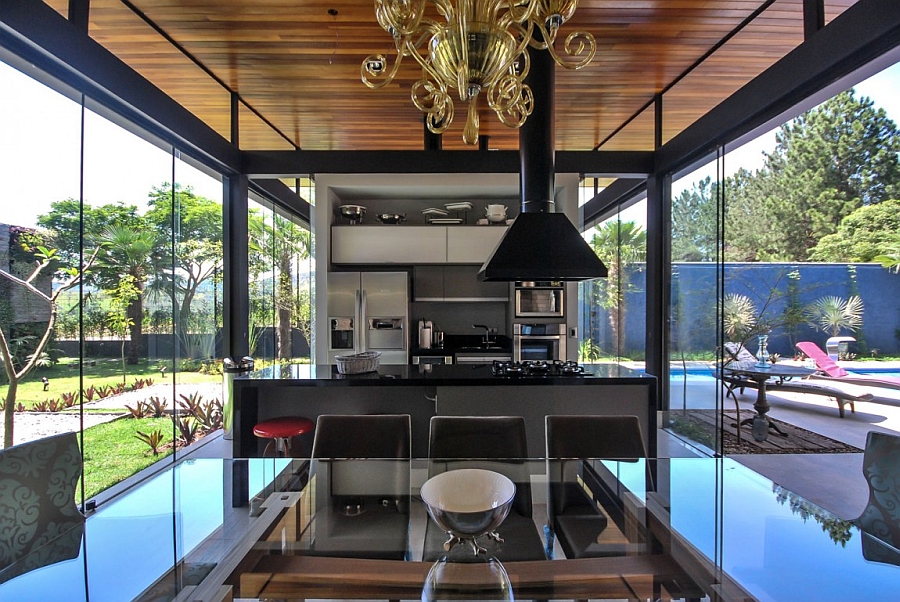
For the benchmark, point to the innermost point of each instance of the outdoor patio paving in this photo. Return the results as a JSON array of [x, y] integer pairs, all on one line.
[[833, 481]]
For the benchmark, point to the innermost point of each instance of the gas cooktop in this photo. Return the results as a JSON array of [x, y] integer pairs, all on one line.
[[538, 368]]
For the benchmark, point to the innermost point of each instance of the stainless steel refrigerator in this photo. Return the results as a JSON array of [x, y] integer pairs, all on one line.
[[368, 311]]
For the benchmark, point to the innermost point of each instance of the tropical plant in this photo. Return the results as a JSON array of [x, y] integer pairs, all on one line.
[[739, 317], [140, 409], [588, 351], [187, 428], [833, 314], [890, 255], [119, 318], [618, 244], [157, 406], [154, 439]]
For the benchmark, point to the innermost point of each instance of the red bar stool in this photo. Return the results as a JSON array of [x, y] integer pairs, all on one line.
[[280, 430]]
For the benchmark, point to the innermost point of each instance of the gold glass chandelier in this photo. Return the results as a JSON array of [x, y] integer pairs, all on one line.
[[479, 46]]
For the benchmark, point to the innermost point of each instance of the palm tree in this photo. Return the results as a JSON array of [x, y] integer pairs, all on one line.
[[832, 314], [618, 244], [126, 252]]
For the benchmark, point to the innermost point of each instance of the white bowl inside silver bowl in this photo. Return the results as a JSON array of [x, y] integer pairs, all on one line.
[[468, 503]]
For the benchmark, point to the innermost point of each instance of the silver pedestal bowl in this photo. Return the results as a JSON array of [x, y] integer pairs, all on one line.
[[468, 503]]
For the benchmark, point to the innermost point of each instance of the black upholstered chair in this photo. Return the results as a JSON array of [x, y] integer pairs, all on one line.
[[498, 443], [880, 521], [362, 486], [573, 517], [40, 523]]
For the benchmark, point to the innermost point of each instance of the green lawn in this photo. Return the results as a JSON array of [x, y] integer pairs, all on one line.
[[112, 453], [64, 378]]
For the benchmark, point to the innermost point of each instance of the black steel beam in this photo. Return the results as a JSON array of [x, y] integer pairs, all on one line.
[[809, 74], [611, 196], [281, 194], [40, 35], [280, 164]]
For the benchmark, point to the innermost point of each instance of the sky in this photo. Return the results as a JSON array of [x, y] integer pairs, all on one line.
[[41, 164]]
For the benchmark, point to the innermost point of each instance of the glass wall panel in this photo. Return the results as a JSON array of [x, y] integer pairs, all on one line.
[[694, 402], [262, 281], [612, 310], [40, 165], [124, 177], [280, 284]]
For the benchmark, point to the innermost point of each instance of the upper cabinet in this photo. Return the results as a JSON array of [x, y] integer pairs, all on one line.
[[388, 244], [413, 245], [472, 244]]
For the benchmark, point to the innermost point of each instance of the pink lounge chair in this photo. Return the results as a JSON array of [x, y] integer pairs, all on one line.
[[831, 371]]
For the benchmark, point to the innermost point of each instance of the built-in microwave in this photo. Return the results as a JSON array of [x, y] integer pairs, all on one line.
[[540, 299]]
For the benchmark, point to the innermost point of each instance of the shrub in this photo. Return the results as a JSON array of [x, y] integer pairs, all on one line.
[[154, 439]]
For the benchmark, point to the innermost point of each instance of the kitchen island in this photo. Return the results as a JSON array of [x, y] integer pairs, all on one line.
[[448, 390]]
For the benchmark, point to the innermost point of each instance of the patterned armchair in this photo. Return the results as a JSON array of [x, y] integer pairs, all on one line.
[[880, 521], [40, 524]]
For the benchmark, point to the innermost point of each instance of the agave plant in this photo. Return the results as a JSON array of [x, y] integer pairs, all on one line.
[[833, 314], [739, 316]]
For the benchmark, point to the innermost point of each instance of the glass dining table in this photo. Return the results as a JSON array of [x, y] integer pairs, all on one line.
[[680, 528]]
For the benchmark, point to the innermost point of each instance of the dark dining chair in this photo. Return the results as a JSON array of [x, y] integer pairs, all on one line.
[[496, 443], [362, 470], [880, 521], [574, 517]]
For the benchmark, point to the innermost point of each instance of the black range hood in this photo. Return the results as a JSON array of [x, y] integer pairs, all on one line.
[[540, 245]]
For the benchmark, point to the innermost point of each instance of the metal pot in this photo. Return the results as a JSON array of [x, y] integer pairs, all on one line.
[[354, 213], [390, 218]]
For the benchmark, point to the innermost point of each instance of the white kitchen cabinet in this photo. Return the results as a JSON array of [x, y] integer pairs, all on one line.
[[472, 244], [388, 244], [413, 244]]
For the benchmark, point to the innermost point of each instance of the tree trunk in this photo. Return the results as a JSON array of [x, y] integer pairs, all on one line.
[[8, 412], [284, 304], [135, 314]]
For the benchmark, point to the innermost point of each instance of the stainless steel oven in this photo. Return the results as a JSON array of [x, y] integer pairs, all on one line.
[[539, 299], [539, 342]]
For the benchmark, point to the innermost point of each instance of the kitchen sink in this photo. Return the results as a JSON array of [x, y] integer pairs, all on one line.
[[482, 348]]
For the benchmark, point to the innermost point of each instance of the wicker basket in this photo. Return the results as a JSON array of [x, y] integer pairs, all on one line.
[[358, 363]]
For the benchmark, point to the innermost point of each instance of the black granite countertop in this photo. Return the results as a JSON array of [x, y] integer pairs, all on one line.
[[437, 375], [465, 343]]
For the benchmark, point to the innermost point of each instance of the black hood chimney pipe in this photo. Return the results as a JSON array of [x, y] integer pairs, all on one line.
[[541, 245]]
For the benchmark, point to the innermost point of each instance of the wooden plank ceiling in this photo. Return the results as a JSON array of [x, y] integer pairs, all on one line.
[[296, 67]]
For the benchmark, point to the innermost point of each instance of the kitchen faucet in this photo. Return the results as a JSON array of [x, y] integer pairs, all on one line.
[[487, 332]]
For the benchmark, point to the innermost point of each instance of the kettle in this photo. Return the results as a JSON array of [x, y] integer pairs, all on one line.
[[425, 329]]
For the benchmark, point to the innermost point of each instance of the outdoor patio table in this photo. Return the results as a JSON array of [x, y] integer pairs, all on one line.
[[776, 374]]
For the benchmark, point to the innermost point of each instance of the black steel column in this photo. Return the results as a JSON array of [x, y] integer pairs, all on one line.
[[236, 298], [659, 281], [537, 173], [813, 17], [432, 141], [79, 14]]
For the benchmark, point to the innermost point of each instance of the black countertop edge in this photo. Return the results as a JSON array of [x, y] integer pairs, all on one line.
[[439, 375]]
